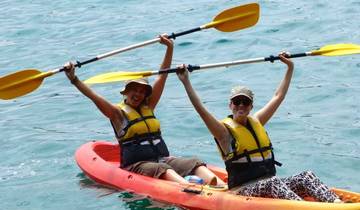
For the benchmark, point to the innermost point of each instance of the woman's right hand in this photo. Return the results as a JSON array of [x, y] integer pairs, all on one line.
[[70, 71], [284, 57], [165, 40], [182, 73]]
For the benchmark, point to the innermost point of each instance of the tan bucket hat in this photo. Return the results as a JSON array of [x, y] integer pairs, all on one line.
[[141, 81], [241, 91]]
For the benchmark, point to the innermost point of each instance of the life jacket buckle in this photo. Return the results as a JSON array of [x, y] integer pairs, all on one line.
[[150, 142]]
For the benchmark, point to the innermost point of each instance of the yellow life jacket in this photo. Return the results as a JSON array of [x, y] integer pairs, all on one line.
[[254, 141], [251, 155], [140, 139], [139, 123]]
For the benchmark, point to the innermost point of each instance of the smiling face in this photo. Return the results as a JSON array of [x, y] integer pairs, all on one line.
[[135, 94], [240, 107]]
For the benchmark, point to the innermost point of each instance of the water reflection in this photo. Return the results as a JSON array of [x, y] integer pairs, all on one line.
[[132, 201]]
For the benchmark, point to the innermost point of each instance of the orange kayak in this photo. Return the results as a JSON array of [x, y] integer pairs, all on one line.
[[99, 160]]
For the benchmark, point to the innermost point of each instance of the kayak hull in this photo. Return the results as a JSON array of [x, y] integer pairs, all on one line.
[[99, 160]]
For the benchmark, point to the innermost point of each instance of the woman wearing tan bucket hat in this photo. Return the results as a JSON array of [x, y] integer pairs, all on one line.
[[246, 148], [142, 149]]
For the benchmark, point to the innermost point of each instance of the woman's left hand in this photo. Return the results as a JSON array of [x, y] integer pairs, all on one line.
[[182, 73]]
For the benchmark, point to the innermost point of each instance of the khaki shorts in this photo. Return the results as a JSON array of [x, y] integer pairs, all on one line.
[[182, 166]]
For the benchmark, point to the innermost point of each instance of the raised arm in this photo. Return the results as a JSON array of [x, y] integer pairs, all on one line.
[[264, 114], [217, 129], [108, 109], [159, 83]]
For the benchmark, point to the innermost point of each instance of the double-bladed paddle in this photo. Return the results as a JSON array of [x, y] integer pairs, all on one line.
[[23, 82], [328, 50]]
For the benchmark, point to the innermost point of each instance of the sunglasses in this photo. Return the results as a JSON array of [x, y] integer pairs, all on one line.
[[238, 101]]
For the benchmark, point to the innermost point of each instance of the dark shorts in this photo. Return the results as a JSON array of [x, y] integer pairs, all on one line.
[[182, 166]]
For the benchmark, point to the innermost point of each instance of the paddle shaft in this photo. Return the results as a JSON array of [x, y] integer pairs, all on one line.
[[192, 68], [124, 49], [152, 41]]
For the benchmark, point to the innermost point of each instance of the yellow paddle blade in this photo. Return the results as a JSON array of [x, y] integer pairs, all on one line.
[[337, 49], [21, 83], [236, 18], [117, 76]]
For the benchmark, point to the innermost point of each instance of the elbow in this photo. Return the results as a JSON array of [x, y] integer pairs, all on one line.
[[280, 97]]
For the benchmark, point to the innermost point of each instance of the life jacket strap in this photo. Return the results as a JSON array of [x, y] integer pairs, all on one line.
[[132, 122], [247, 153], [277, 163], [138, 139]]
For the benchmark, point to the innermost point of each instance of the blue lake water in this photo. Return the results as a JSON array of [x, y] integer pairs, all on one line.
[[317, 127]]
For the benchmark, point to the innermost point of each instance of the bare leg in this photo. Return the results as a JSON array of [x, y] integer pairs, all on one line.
[[171, 175], [208, 176]]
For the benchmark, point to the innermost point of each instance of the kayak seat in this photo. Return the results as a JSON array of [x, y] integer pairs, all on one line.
[[109, 153]]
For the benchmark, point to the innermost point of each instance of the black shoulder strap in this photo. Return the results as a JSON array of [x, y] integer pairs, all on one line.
[[112, 125], [115, 131], [218, 144]]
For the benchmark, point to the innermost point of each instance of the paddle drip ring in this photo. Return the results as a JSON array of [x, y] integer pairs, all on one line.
[[78, 64]]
